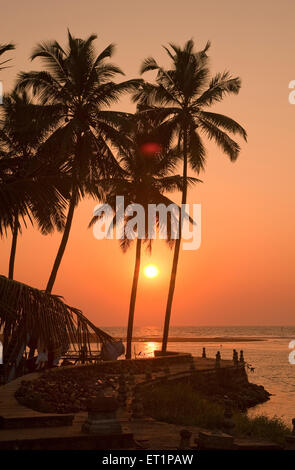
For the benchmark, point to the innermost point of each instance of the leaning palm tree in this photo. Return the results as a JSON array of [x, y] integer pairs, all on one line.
[[146, 174], [4, 48], [181, 96], [23, 127], [78, 86]]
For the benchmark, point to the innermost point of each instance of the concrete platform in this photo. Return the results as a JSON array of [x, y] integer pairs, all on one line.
[[38, 432], [13, 415]]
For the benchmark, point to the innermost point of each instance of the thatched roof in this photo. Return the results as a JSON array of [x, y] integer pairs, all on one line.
[[27, 312]]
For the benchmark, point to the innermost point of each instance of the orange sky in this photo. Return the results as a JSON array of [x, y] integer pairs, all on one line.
[[244, 271]]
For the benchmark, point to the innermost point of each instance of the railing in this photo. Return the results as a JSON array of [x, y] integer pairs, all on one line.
[[82, 356]]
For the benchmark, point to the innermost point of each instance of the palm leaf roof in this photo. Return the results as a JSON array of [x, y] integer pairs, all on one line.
[[27, 312]]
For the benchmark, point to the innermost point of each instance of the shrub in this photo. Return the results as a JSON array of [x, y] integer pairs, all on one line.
[[273, 429], [181, 404]]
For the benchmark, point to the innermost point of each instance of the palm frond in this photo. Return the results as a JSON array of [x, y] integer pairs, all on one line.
[[228, 145], [148, 64], [27, 314], [225, 122], [196, 150], [220, 85], [5, 48]]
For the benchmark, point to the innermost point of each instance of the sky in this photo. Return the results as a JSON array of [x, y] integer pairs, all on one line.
[[243, 273]]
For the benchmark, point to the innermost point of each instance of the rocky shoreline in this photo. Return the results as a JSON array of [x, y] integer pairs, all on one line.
[[232, 383], [242, 397]]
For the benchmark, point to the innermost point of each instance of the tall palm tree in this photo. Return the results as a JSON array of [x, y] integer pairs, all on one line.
[[145, 177], [23, 127], [26, 189], [181, 96], [4, 48], [78, 85]]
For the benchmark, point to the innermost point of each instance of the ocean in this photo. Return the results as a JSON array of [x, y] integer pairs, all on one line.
[[266, 349]]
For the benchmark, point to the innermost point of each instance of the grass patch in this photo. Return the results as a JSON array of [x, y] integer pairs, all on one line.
[[181, 404], [271, 429]]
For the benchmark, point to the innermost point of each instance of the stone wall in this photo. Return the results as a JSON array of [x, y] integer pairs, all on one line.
[[134, 366], [215, 384], [67, 389]]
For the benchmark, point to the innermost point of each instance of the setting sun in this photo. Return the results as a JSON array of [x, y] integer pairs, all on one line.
[[151, 271]]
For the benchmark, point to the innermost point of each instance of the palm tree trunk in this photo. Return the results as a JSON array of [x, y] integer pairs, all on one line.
[[133, 298], [13, 248], [176, 251], [63, 243]]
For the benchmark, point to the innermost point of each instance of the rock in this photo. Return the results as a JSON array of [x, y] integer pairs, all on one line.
[[185, 437], [215, 441], [46, 407]]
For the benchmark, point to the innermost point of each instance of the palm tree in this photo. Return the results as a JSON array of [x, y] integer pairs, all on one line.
[[4, 48], [78, 86], [181, 96], [22, 130], [145, 176]]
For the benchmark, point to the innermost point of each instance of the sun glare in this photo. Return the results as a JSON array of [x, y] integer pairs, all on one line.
[[151, 271]]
